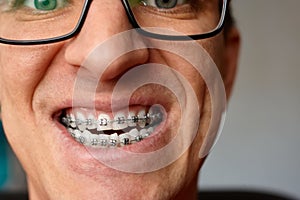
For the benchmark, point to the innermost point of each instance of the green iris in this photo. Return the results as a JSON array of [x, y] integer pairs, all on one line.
[[45, 4]]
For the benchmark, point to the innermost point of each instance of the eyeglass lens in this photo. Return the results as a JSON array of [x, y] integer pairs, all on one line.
[[43, 19]]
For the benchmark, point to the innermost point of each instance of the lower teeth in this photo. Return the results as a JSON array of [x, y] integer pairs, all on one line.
[[114, 140]]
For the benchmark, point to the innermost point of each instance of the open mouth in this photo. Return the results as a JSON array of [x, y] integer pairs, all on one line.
[[99, 129]]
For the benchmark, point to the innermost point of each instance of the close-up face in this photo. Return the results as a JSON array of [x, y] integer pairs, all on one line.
[[66, 122]]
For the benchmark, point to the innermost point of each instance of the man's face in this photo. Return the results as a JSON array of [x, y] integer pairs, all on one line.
[[36, 93]]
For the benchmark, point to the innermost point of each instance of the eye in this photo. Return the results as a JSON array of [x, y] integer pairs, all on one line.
[[44, 5], [164, 4]]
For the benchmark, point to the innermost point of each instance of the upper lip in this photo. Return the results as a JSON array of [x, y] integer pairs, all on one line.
[[104, 103]]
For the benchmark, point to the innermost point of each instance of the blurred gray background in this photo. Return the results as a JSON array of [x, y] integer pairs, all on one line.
[[260, 144]]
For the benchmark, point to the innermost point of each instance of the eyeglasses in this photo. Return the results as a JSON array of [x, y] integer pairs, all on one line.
[[29, 22]]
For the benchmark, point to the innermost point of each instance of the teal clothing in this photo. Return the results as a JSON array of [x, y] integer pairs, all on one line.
[[3, 158]]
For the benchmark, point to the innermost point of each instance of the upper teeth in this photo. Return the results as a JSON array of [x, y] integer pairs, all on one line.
[[104, 122]]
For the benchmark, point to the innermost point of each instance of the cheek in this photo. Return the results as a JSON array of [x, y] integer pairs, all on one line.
[[184, 68], [21, 70], [215, 47]]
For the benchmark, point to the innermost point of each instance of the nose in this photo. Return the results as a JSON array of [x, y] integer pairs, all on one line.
[[105, 19]]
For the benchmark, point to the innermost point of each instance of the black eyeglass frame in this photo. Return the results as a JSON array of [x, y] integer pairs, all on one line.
[[134, 23]]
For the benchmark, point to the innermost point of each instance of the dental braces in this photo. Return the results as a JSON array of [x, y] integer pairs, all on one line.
[[148, 118], [103, 140], [110, 142]]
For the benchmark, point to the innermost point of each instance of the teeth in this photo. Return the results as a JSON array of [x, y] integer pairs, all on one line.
[[72, 121], [103, 140], [87, 137], [134, 135], [119, 122], [76, 134], [104, 123], [132, 119], [80, 122], [88, 130], [113, 140], [82, 140], [150, 130], [144, 133], [94, 140], [141, 115], [153, 115], [90, 123], [124, 139]]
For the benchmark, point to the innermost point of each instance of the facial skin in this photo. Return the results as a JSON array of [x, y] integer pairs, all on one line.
[[37, 82]]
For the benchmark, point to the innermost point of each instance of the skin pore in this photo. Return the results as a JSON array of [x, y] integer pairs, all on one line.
[[37, 81]]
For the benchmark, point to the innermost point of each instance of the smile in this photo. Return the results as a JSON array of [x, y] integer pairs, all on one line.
[[107, 131]]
